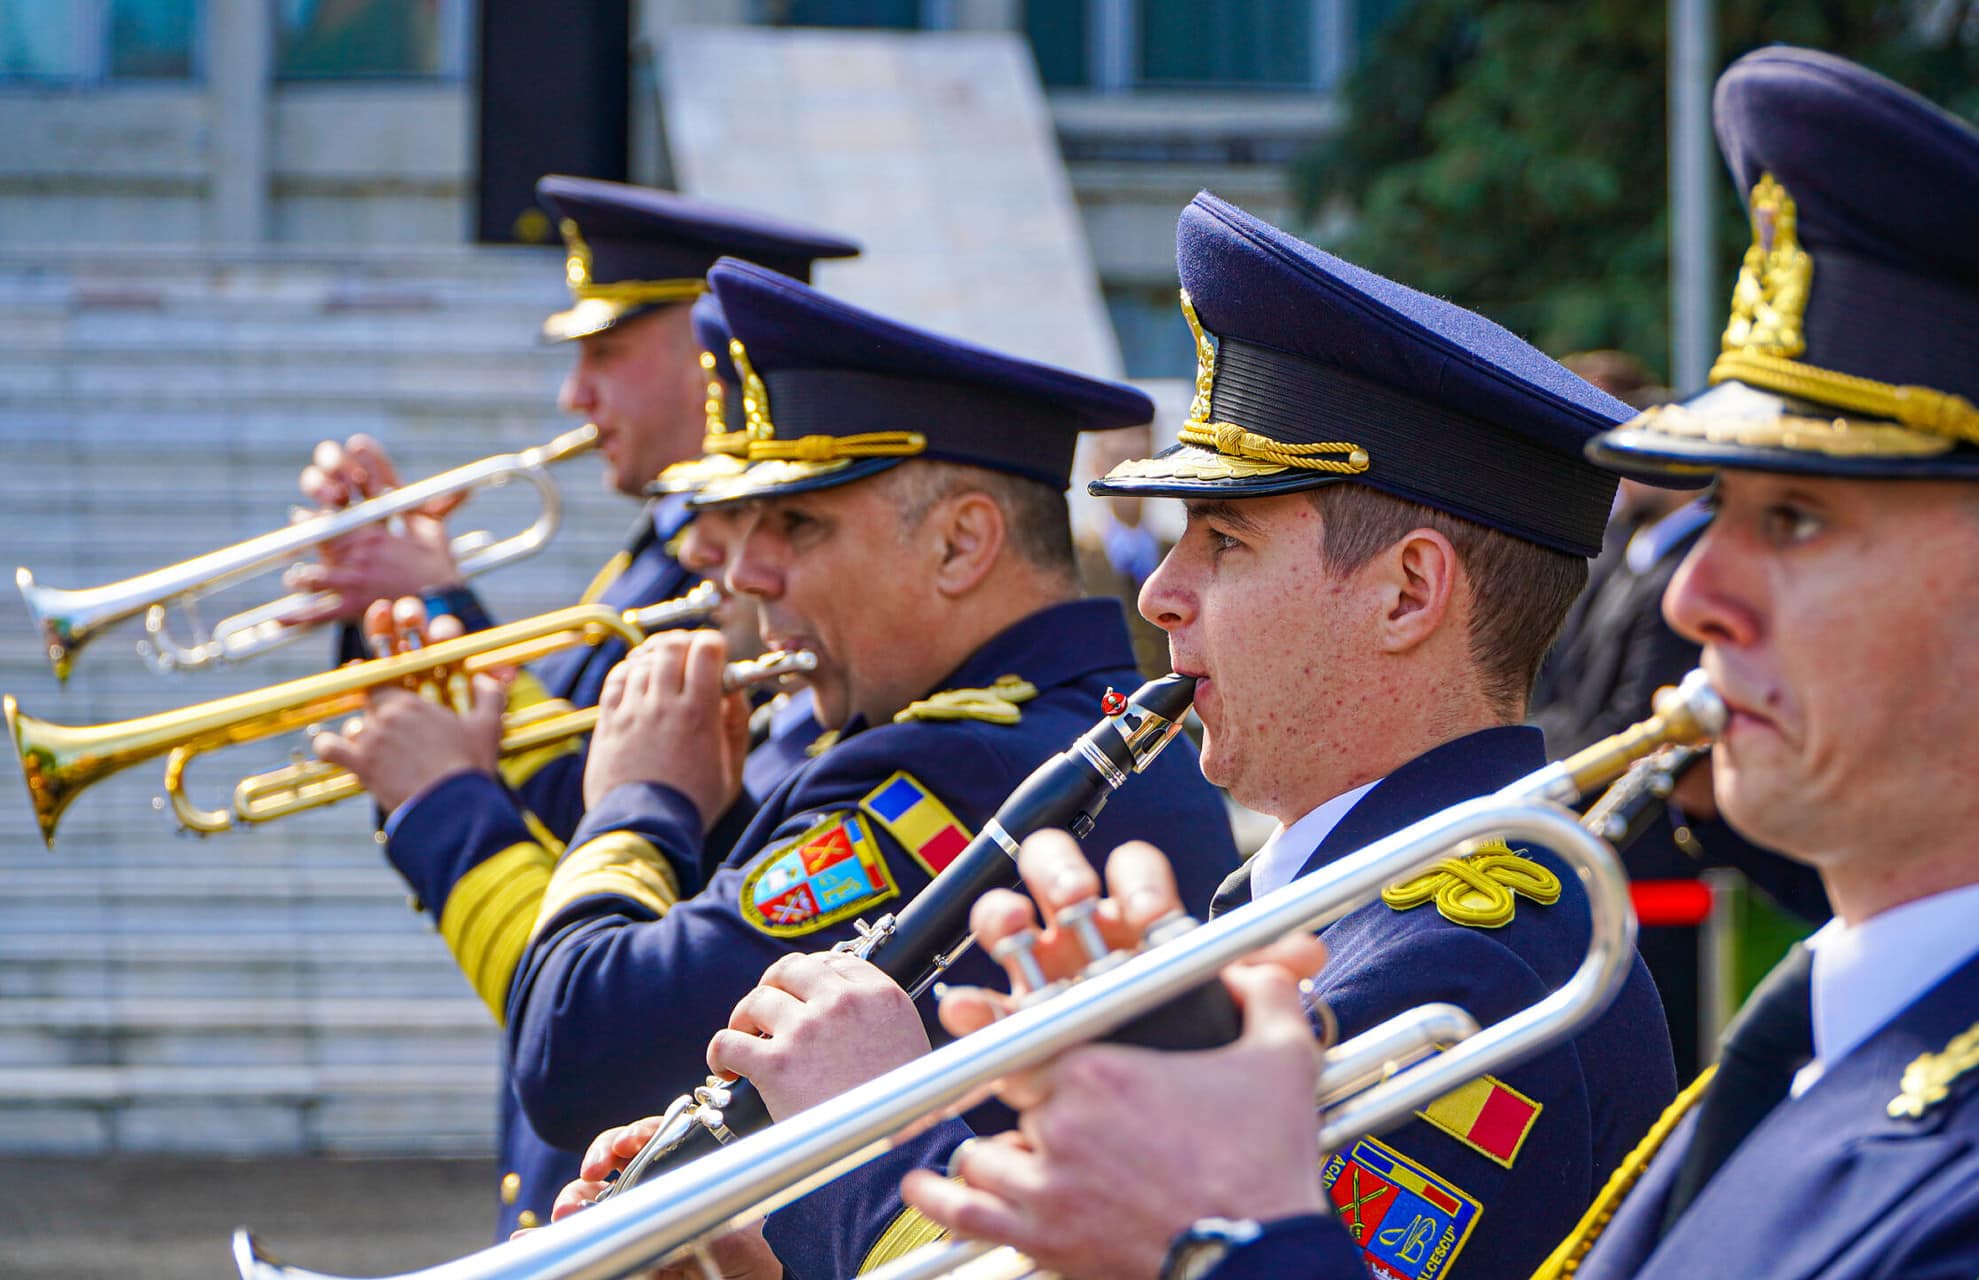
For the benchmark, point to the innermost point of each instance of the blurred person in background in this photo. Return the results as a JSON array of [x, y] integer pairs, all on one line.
[[1615, 651]]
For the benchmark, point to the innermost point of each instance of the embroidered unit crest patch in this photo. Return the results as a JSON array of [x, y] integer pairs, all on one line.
[[921, 823], [1410, 1223], [830, 873]]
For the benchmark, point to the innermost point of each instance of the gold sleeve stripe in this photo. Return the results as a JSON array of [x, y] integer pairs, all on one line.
[[490, 916], [618, 863], [906, 1233]]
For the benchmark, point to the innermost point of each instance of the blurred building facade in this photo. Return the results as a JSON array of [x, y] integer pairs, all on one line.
[[336, 122], [231, 228]]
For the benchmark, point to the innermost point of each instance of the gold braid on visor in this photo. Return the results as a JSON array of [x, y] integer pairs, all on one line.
[[1938, 413], [758, 443], [1233, 441]]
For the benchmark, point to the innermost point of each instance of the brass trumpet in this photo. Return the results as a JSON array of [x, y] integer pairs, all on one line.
[[668, 1216], [70, 618], [59, 761]]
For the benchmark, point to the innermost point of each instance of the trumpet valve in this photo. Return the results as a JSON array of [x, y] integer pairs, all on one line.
[[1078, 919], [1020, 949]]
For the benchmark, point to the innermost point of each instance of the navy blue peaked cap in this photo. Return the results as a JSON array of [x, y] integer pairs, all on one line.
[[722, 442], [1311, 371], [630, 249], [832, 394], [1855, 319]]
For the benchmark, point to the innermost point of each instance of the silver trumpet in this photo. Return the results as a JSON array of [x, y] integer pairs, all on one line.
[[69, 618], [671, 1215]]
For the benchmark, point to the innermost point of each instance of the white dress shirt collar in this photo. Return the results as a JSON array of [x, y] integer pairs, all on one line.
[[1276, 864], [1868, 973]]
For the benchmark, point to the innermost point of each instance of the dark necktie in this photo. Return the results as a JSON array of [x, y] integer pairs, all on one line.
[[1771, 1039]]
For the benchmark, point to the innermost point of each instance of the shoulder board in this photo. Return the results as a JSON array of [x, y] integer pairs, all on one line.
[[1927, 1081], [996, 704], [1477, 889]]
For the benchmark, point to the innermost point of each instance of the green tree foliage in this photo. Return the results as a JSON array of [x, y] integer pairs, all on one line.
[[1511, 155]]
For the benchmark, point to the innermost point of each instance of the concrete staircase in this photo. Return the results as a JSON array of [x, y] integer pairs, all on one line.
[[266, 991]]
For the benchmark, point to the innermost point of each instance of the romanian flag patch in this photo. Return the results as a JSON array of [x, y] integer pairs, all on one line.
[[830, 873], [1488, 1116], [1409, 1222], [922, 824]]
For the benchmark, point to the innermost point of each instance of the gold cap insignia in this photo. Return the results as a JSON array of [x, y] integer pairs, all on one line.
[[1770, 297], [577, 259]]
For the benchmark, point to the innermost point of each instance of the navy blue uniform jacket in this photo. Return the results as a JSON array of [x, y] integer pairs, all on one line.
[[464, 822], [612, 1008], [1508, 1165]]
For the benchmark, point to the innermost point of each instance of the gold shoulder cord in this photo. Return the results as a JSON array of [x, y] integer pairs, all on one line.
[[1566, 1259], [997, 704]]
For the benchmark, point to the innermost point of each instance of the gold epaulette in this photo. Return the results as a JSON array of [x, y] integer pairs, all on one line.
[[1478, 889], [996, 704]]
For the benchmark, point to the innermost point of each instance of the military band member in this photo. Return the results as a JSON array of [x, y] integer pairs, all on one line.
[[636, 264], [905, 522], [1388, 517], [1836, 597]]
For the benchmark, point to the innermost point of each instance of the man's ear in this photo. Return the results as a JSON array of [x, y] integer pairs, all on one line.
[[1419, 585], [970, 530]]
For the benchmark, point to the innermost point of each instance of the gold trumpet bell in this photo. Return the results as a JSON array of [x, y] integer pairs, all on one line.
[[53, 765]]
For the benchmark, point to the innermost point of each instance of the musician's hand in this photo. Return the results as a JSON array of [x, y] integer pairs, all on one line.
[[664, 718], [608, 1153], [408, 556], [408, 741], [816, 1025], [1141, 892], [1117, 1150], [740, 1255]]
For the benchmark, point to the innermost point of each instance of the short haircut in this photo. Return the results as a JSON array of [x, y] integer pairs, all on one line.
[[1520, 591], [1036, 520]]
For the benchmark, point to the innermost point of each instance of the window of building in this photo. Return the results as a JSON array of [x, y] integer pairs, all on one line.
[[356, 39], [1121, 45], [1155, 341], [88, 41]]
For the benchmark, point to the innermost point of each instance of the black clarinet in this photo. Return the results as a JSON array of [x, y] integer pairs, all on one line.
[[917, 946]]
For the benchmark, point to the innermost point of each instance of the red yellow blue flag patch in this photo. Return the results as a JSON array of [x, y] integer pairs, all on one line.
[[830, 873], [1488, 1116], [922, 824], [1410, 1222]]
